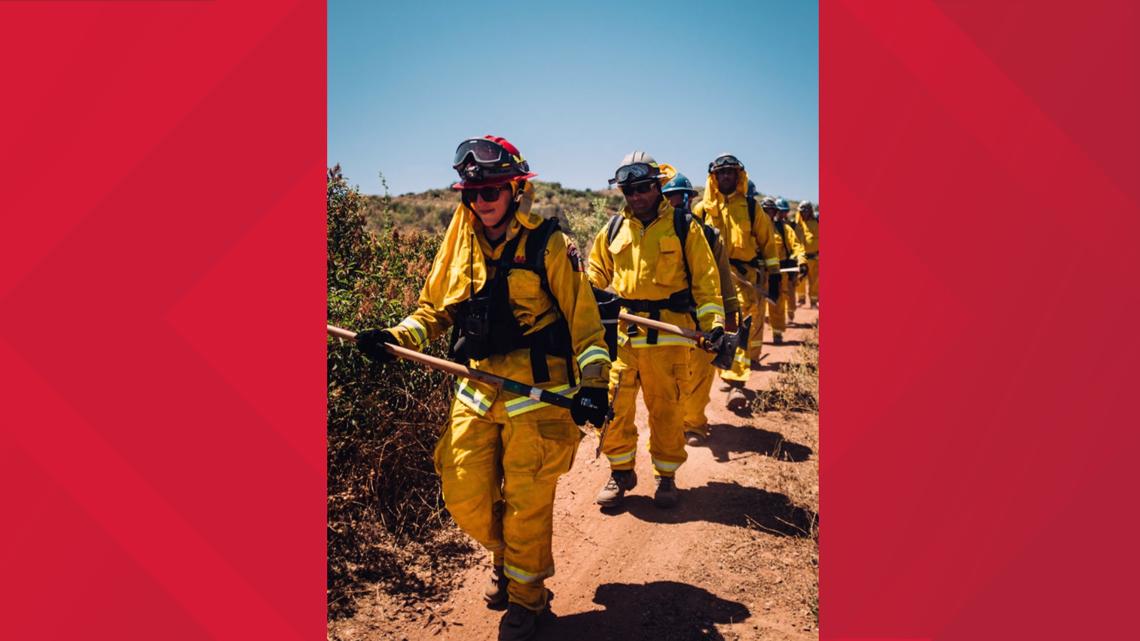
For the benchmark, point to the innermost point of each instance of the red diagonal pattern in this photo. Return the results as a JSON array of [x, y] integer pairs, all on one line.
[[951, 510], [141, 521], [193, 135]]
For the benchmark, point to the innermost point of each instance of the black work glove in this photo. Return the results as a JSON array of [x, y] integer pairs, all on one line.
[[714, 339], [371, 342], [774, 287], [590, 404], [803, 269]]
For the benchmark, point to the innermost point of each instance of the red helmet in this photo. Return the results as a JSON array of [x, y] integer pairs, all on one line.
[[486, 161]]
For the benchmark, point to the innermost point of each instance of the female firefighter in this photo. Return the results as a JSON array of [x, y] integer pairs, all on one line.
[[513, 289]]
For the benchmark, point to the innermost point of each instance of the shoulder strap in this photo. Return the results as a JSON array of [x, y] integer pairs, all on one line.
[[612, 228], [681, 220], [751, 211], [711, 234], [536, 242]]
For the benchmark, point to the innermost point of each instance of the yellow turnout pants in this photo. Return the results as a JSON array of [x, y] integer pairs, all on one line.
[[661, 372], [499, 474]]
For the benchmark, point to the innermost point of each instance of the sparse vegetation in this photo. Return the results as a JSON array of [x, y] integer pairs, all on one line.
[[582, 212], [392, 546], [386, 522], [796, 386]]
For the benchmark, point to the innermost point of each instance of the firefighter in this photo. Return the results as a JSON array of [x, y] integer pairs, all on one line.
[[512, 288], [791, 255], [730, 206], [809, 219], [660, 266], [695, 397]]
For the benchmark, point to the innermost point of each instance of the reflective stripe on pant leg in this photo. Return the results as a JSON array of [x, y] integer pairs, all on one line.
[[661, 378], [621, 436], [537, 450]]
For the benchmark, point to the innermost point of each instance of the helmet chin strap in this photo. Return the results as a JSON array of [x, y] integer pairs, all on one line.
[[516, 201]]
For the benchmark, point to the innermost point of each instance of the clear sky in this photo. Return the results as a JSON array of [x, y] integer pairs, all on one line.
[[576, 86]]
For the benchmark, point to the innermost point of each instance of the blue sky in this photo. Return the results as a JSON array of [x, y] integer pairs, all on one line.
[[575, 86]]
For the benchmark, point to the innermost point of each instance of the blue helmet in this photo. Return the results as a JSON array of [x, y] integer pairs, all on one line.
[[752, 193], [783, 205], [679, 183]]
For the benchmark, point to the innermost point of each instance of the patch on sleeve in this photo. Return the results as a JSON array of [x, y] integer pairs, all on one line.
[[576, 261]]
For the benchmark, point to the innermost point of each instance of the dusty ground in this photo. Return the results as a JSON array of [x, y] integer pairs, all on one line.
[[736, 559]]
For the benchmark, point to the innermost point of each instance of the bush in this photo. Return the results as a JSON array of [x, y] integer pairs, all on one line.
[[386, 521]]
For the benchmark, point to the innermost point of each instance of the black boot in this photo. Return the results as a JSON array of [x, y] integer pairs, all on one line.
[[666, 495], [518, 623]]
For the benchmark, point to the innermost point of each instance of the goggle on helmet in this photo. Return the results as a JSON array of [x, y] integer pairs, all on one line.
[[488, 161]]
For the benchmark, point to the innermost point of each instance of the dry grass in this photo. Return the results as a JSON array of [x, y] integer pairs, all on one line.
[[792, 407], [387, 528], [796, 386]]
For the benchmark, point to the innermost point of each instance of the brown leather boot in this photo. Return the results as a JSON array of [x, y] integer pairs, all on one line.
[[495, 594], [614, 491]]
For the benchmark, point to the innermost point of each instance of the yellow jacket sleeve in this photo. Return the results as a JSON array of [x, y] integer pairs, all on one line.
[[576, 301], [711, 216], [811, 235], [727, 287], [767, 243], [600, 265], [705, 284], [795, 249], [430, 320]]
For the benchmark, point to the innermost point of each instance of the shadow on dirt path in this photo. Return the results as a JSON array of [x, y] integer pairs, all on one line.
[[661, 610], [728, 504], [725, 439]]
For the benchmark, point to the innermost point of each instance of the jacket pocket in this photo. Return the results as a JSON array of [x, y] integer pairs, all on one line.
[[528, 301], [669, 269]]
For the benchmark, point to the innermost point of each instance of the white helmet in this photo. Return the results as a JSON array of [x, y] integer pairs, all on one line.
[[636, 167]]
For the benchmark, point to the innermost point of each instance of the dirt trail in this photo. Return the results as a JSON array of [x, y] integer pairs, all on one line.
[[734, 560]]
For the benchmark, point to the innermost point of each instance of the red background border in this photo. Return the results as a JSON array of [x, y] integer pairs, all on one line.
[[978, 175], [161, 299]]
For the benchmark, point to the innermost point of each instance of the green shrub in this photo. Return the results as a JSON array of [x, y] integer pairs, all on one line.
[[385, 514]]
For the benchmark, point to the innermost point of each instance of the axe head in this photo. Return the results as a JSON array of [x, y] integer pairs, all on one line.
[[731, 342]]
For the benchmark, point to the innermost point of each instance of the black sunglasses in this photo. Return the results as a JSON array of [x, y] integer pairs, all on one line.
[[489, 194], [637, 188]]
